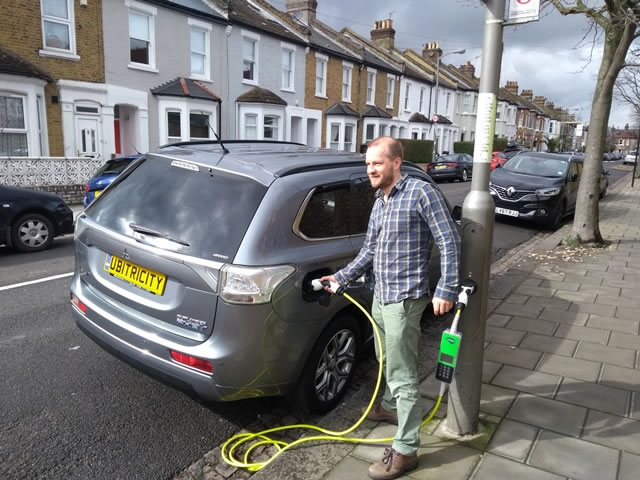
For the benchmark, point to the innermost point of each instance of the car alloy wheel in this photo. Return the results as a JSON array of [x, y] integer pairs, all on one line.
[[335, 365], [465, 175], [32, 233]]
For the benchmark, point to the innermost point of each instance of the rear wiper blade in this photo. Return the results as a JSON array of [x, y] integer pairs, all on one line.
[[155, 233]]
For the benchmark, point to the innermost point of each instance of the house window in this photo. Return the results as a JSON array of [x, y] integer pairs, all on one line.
[[390, 87], [467, 103], [383, 130], [271, 127], [446, 109], [58, 29], [174, 133], [421, 100], [348, 138], [140, 38], [199, 52], [198, 126], [475, 103], [370, 132], [249, 71], [346, 83], [321, 76], [250, 127], [414, 135], [407, 91], [287, 68], [334, 139], [13, 131], [371, 87]]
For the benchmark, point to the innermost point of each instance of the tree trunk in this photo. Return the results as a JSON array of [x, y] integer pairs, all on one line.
[[586, 227]]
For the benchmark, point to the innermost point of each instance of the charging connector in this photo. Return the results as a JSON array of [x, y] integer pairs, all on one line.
[[319, 285]]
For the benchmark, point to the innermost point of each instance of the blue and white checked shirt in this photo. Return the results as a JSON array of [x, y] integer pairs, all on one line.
[[399, 238]]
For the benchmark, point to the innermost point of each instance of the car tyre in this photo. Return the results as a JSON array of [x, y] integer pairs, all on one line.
[[556, 221], [603, 193], [465, 176], [32, 233], [330, 366]]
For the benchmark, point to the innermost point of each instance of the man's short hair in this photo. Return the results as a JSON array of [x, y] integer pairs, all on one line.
[[392, 147]]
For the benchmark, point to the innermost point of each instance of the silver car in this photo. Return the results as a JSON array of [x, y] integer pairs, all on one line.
[[195, 266]]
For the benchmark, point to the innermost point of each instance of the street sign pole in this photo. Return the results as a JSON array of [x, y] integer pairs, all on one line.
[[477, 234]]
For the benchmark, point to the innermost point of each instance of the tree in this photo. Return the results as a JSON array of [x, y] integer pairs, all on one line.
[[553, 144], [618, 21]]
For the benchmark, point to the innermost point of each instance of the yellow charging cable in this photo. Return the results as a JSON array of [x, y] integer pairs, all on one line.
[[261, 438]]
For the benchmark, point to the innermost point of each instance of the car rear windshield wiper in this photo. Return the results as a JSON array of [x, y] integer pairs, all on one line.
[[155, 233]]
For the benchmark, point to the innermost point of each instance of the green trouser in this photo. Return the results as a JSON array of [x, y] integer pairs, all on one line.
[[399, 325]]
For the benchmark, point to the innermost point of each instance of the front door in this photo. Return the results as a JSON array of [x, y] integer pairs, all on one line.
[[88, 140]]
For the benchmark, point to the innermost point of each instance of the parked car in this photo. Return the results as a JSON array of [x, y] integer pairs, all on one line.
[[537, 186], [498, 159], [104, 176], [630, 158], [195, 266], [30, 219], [454, 166]]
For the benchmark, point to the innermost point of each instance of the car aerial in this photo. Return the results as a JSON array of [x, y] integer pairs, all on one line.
[[537, 186], [498, 159], [30, 219], [195, 266], [104, 176], [454, 166], [630, 158]]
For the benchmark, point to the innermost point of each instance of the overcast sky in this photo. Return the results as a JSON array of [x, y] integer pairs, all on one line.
[[550, 56]]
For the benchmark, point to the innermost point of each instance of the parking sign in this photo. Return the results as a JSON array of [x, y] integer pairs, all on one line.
[[521, 11]]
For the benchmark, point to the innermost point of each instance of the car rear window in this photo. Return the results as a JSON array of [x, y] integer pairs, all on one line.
[[208, 211]]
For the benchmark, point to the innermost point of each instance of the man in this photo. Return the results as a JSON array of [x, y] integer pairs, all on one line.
[[408, 216]]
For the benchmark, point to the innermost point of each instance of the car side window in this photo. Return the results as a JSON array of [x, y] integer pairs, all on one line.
[[363, 199], [328, 213]]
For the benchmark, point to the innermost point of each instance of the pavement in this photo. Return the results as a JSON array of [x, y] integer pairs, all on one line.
[[561, 375]]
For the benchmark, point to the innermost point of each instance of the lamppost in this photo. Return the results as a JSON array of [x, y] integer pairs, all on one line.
[[435, 110]]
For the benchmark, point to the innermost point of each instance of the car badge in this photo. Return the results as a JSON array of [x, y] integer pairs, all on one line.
[[511, 191], [125, 254]]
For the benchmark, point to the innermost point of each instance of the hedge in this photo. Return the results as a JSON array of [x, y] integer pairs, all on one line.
[[499, 144], [415, 151], [463, 147]]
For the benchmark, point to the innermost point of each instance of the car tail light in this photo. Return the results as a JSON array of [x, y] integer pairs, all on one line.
[[452, 164], [81, 306], [430, 166], [86, 187], [190, 361], [252, 285]]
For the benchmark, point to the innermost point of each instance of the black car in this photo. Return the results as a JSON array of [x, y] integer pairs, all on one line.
[[30, 219], [455, 166], [537, 186]]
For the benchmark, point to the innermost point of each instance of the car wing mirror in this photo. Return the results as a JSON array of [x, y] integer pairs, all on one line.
[[456, 214]]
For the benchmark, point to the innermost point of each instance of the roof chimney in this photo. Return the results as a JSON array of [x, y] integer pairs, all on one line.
[[467, 70], [512, 87], [303, 10], [539, 100], [432, 51], [383, 34], [527, 95]]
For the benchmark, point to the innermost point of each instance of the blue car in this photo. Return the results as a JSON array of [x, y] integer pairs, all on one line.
[[103, 177]]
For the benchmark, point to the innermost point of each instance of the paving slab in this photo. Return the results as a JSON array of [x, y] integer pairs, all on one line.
[[495, 400], [532, 325], [624, 302], [569, 367], [576, 332], [530, 381], [534, 291], [601, 290], [533, 282], [494, 467], [550, 302], [503, 336], [546, 275], [548, 414], [593, 309], [353, 469], [630, 292], [619, 377], [610, 355], [625, 340], [531, 311], [576, 296], [513, 439], [629, 466], [574, 318], [591, 395], [627, 313], [574, 458], [571, 278], [497, 320], [613, 431], [489, 370], [615, 324], [546, 343], [515, 298], [559, 285], [519, 357]]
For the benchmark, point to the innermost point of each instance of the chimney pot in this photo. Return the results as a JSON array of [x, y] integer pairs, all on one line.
[[383, 34]]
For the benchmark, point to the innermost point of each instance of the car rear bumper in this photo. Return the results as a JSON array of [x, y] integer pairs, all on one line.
[[445, 175]]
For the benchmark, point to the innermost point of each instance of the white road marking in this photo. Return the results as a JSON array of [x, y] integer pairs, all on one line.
[[32, 282]]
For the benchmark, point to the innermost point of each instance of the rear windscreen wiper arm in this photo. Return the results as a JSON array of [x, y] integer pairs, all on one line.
[[155, 233]]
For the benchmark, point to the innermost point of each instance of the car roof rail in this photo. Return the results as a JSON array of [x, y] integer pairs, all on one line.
[[227, 142]]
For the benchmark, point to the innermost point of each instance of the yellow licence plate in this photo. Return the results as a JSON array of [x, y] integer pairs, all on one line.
[[440, 167], [97, 193], [148, 280]]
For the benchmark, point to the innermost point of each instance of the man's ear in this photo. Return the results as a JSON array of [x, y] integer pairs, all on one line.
[[397, 162]]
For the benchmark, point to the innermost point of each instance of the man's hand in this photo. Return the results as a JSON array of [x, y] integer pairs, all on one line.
[[331, 278], [441, 306]]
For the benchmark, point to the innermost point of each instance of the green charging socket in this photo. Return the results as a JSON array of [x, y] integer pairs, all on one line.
[[448, 356]]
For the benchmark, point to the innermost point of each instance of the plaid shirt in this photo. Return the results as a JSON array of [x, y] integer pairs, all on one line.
[[399, 239]]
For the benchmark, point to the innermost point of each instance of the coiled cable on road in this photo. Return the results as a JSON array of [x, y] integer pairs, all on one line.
[[262, 438]]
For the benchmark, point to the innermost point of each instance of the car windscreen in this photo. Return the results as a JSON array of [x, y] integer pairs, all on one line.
[[447, 159], [114, 167], [538, 166], [181, 207]]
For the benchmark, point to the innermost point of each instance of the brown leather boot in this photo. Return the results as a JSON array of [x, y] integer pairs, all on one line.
[[392, 465], [380, 414]]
